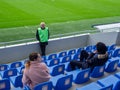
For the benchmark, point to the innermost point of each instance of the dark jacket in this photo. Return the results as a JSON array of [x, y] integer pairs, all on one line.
[[96, 60]]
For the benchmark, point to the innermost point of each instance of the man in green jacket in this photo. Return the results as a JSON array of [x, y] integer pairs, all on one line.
[[42, 35]]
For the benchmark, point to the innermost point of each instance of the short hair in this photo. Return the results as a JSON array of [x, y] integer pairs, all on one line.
[[33, 56], [101, 48]]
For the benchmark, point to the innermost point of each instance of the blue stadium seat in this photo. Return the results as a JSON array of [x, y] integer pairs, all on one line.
[[65, 59], [95, 86], [15, 64], [80, 76], [53, 62], [57, 69], [98, 71], [110, 80], [67, 67], [44, 58], [116, 53], [16, 81], [20, 69], [62, 54], [111, 65], [88, 48], [44, 86], [76, 57], [111, 47], [73, 51], [5, 84], [52, 56], [62, 82], [3, 67], [93, 47], [79, 50], [110, 54], [8, 73]]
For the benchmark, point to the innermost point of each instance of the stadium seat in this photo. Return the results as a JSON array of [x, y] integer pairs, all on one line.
[[44, 86], [5, 84], [80, 76], [110, 54], [79, 50], [62, 54], [93, 47], [16, 81], [88, 48], [111, 65], [111, 47], [67, 67], [97, 71], [95, 86], [20, 69], [65, 59], [44, 58], [15, 64], [70, 52], [8, 73], [76, 57], [57, 69], [110, 80], [116, 53], [53, 62], [62, 82], [3, 67], [52, 56]]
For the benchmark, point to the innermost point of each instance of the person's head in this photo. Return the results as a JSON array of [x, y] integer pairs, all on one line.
[[33, 57], [42, 25], [101, 48]]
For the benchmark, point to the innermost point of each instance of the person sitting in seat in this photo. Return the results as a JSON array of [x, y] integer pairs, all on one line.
[[35, 71], [96, 58]]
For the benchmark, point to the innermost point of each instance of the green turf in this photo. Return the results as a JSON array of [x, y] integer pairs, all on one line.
[[19, 19]]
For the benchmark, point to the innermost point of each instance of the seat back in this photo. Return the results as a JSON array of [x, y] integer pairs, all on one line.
[[111, 66], [58, 69], [79, 50], [88, 48], [3, 67], [64, 83], [98, 71], [116, 53], [16, 65], [76, 57], [82, 76], [52, 56], [54, 62], [70, 52], [62, 54], [112, 47], [9, 73], [44, 86], [66, 59], [18, 81], [5, 84]]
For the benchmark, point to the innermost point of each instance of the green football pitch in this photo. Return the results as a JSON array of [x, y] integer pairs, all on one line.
[[19, 19]]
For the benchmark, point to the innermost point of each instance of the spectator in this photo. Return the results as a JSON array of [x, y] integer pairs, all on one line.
[[96, 58], [42, 35], [35, 71]]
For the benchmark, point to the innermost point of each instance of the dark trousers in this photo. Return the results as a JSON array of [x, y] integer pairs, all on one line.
[[83, 56], [43, 48]]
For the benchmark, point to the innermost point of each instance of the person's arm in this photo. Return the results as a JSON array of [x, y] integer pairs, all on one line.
[[25, 79], [37, 36]]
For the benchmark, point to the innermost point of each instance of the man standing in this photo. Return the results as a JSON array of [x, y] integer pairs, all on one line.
[[42, 35]]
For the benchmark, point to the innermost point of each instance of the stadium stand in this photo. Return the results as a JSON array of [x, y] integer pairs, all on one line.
[[62, 76]]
